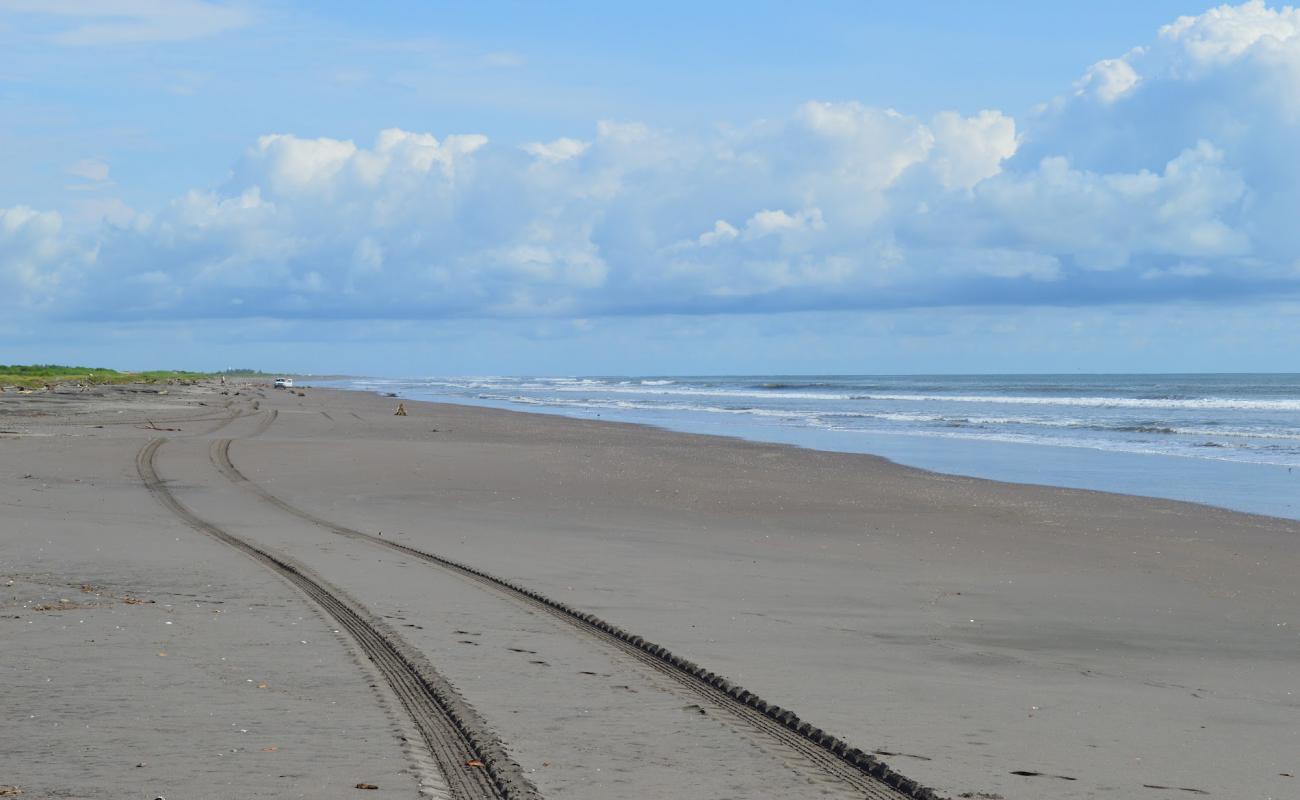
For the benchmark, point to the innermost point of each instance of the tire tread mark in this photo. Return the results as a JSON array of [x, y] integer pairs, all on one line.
[[264, 423], [849, 764], [451, 728], [234, 414]]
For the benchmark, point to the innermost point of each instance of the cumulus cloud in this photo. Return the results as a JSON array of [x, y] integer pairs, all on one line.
[[1224, 34], [767, 223], [1108, 79], [969, 149], [1166, 172], [1106, 221], [34, 257], [722, 231]]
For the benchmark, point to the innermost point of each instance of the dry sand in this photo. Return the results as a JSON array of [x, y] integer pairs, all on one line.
[[1099, 645]]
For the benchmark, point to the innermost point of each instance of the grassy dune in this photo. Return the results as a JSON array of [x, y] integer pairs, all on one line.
[[33, 376]]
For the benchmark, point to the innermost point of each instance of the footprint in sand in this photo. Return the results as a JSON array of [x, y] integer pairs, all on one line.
[[1028, 774], [906, 755]]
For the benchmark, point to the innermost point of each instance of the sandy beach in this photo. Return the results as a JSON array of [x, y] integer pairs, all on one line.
[[983, 639]]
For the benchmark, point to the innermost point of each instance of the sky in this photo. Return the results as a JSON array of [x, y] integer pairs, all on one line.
[[677, 188]]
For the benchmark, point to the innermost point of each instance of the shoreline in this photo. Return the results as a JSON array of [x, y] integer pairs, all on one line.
[[978, 636], [794, 443]]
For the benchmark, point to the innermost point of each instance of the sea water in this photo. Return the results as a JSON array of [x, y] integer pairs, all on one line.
[[1231, 440]]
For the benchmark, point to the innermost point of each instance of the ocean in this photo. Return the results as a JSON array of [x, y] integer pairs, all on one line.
[[1231, 440]]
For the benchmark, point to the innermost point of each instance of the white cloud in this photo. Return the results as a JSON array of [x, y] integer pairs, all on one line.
[[34, 256], [722, 231], [1109, 79], [558, 150], [969, 149], [1226, 33], [89, 168], [301, 164], [1107, 220], [871, 147], [767, 223], [108, 22], [1169, 172]]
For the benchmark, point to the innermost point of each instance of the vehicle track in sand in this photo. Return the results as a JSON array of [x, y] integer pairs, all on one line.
[[825, 754], [142, 421], [472, 760], [235, 413], [87, 419]]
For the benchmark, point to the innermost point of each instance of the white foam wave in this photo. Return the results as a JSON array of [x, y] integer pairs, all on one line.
[[1191, 403], [1101, 402], [1238, 456], [1259, 430]]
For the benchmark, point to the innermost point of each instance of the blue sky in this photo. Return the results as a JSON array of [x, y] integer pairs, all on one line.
[[424, 188]]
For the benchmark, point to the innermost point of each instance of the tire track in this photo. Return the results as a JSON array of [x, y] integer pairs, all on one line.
[[84, 423], [826, 753], [452, 730], [264, 423], [234, 414]]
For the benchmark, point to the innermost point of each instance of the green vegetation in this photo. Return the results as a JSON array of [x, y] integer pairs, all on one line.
[[33, 376], [244, 373]]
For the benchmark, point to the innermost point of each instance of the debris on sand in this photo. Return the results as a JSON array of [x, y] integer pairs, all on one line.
[[10, 791], [62, 605], [474, 762], [401, 410], [152, 427], [366, 786]]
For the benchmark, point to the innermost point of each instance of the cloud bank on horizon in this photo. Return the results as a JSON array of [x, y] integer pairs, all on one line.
[[1167, 173]]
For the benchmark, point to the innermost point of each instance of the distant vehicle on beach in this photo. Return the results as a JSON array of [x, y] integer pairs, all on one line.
[[284, 383]]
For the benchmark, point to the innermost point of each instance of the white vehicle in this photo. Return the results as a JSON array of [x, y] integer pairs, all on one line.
[[284, 383]]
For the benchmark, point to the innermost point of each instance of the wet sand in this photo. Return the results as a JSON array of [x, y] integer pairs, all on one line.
[[968, 630]]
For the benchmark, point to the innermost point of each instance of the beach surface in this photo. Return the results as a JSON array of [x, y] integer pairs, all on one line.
[[199, 583]]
